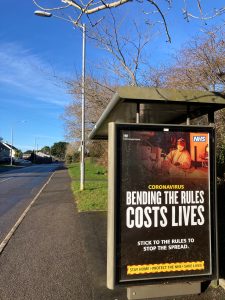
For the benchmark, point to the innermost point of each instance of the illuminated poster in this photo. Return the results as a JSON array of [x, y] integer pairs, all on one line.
[[163, 202]]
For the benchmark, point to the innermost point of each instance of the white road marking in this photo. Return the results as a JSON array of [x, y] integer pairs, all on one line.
[[14, 228], [5, 179]]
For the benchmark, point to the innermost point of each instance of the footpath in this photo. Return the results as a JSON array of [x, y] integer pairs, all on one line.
[[58, 253]]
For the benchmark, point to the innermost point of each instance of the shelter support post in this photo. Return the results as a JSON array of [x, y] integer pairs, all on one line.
[[138, 113], [188, 121], [215, 282], [211, 119], [188, 116]]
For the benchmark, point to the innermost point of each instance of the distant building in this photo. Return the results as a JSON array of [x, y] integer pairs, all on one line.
[[26, 155], [42, 158], [41, 154], [5, 151]]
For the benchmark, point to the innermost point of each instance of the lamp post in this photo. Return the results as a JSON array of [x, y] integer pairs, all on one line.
[[41, 13], [82, 163], [11, 148], [35, 149]]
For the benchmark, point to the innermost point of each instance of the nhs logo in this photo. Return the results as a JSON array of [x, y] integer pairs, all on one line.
[[199, 138]]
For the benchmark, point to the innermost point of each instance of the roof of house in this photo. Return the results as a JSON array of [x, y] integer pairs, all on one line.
[[42, 154], [8, 146]]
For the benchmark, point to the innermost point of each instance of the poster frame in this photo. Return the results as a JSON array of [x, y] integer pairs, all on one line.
[[113, 278]]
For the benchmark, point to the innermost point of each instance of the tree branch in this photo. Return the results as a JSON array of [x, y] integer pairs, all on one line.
[[50, 9], [218, 12], [98, 8], [163, 18]]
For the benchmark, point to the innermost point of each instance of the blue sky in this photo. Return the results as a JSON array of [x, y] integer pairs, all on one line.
[[32, 51], [38, 54]]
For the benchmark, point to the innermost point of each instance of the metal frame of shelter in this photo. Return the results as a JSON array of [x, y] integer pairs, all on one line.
[[153, 106], [157, 106]]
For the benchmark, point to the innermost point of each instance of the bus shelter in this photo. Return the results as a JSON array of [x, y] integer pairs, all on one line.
[[162, 235]]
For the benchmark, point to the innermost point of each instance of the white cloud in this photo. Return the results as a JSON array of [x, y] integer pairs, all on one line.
[[29, 75]]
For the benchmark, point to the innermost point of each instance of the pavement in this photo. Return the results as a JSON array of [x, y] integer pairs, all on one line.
[[58, 253]]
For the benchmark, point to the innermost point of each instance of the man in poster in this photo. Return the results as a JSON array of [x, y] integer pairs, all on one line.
[[180, 157]]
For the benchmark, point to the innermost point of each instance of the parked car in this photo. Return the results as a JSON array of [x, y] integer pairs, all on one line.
[[21, 162], [5, 160]]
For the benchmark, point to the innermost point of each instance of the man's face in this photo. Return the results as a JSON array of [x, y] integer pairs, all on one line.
[[180, 147]]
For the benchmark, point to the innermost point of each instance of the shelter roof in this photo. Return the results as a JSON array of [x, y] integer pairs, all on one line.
[[157, 106]]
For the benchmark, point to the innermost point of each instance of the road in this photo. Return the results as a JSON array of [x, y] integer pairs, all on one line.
[[17, 189]]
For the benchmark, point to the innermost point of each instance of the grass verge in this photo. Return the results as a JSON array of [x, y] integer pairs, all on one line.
[[5, 168], [94, 197]]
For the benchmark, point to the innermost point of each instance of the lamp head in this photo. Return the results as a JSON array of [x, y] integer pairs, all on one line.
[[42, 13]]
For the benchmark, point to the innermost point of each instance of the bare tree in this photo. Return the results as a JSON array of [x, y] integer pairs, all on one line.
[[75, 10], [125, 65], [128, 59], [200, 64], [97, 93], [127, 56]]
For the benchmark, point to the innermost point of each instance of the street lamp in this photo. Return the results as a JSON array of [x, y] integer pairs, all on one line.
[[41, 13]]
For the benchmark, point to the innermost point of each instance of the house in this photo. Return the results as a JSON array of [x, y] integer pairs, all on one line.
[[5, 151], [41, 154], [42, 158]]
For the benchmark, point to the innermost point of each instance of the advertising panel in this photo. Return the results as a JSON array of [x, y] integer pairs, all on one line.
[[164, 195]]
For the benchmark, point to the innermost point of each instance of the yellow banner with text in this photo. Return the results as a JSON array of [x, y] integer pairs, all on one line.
[[165, 267]]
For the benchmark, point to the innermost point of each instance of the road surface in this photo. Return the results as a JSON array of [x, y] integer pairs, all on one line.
[[17, 190]]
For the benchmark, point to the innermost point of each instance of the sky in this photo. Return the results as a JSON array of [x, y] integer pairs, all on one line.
[[38, 54]]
